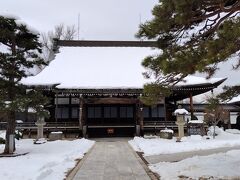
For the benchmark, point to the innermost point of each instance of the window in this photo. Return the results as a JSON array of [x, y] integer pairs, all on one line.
[[110, 112], [62, 112], [161, 111], [97, 112], [94, 112], [126, 112], [146, 112], [129, 112], [155, 112], [75, 112], [158, 111]]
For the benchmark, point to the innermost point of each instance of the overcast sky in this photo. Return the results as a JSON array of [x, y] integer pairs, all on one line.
[[99, 19]]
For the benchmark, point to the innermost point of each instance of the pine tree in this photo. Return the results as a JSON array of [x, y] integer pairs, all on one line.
[[20, 51], [194, 36]]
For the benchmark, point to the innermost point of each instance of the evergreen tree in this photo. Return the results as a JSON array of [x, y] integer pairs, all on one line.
[[194, 36], [20, 52]]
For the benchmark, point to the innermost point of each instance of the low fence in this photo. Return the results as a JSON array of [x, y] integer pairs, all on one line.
[[75, 125], [56, 126], [148, 126], [156, 126], [160, 124]]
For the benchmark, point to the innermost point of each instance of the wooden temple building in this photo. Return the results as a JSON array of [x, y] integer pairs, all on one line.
[[103, 109]]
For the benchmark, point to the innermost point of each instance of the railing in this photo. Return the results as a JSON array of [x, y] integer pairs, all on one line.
[[75, 125], [64, 126], [111, 125], [48, 126], [160, 125]]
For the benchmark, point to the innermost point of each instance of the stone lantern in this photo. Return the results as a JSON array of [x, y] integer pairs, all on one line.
[[40, 123], [180, 113]]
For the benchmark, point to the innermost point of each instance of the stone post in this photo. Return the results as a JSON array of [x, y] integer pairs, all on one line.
[[40, 123], [180, 122], [180, 113]]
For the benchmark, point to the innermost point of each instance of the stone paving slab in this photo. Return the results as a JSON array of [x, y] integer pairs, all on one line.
[[113, 160]]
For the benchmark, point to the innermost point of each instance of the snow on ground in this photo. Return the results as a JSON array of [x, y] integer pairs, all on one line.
[[218, 166], [45, 161], [156, 146], [215, 166], [233, 131]]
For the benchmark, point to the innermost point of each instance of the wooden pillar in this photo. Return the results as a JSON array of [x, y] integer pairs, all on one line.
[[56, 107], [139, 118], [80, 114], [70, 108], [191, 104], [165, 109], [82, 117]]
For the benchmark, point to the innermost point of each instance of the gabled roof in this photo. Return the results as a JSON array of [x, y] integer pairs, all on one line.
[[104, 68], [94, 67]]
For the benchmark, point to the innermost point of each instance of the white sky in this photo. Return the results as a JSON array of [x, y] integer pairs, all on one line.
[[105, 19], [99, 20]]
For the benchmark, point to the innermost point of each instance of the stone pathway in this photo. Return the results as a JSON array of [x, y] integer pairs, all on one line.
[[183, 155], [111, 160]]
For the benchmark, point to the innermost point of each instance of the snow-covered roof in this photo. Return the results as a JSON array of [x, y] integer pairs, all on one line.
[[78, 68], [234, 100], [194, 80]]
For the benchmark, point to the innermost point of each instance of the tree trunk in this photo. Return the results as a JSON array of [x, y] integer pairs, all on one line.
[[11, 124]]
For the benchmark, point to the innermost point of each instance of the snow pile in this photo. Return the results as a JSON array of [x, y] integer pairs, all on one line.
[[57, 132], [180, 111], [196, 121], [40, 141], [167, 130], [216, 166], [45, 161], [191, 143], [218, 131], [233, 131]]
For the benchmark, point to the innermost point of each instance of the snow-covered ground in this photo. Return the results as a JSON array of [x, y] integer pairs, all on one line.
[[215, 166], [155, 146], [51, 160]]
